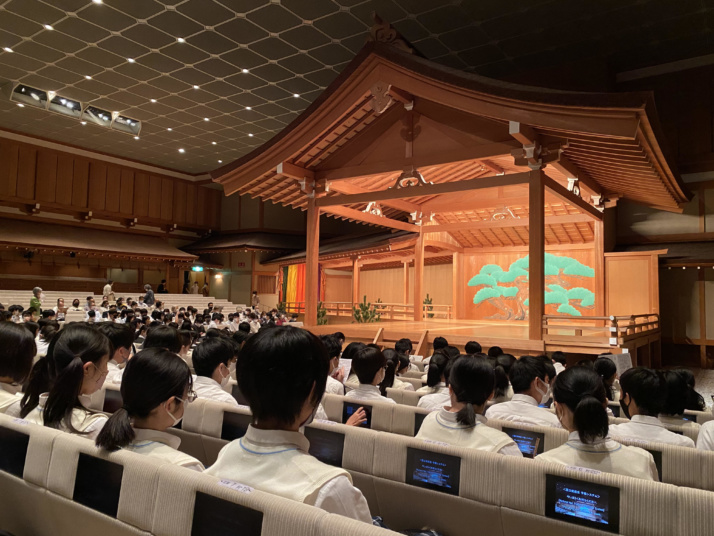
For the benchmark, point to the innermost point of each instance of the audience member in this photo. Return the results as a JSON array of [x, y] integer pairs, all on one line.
[[214, 360], [472, 348], [390, 373], [502, 367], [369, 364], [607, 370], [675, 401], [122, 338], [17, 349], [160, 336], [559, 361], [437, 392]]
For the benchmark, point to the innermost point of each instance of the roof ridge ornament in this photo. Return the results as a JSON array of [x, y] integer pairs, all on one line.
[[384, 32]]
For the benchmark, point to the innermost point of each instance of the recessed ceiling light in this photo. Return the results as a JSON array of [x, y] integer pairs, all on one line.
[[182, 151], [169, 129], [153, 100], [213, 143], [195, 87], [220, 161], [296, 95], [206, 119], [87, 77], [97, 1], [251, 135], [83, 123], [136, 137], [181, 40], [48, 27], [245, 71], [248, 108], [130, 60], [7, 49], [20, 105]]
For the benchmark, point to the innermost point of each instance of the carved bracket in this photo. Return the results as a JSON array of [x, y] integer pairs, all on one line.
[[410, 178], [381, 99], [383, 32], [373, 208], [536, 156]]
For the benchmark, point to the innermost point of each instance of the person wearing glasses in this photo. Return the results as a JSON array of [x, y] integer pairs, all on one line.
[[62, 382], [156, 387]]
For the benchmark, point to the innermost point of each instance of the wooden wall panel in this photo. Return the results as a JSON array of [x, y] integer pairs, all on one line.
[[166, 199], [126, 193], [154, 197], [46, 176], [179, 208], [26, 172], [8, 169], [65, 173], [203, 206], [113, 189], [141, 195], [215, 220], [97, 186], [80, 183], [191, 195], [631, 284], [338, 288]]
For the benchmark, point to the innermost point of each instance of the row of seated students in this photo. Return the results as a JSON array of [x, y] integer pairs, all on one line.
[[283, 372]]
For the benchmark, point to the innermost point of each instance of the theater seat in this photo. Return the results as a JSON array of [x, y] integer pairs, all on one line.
[[381, 411], [695, 512], [702, 416], [189, 430], [406, 420], [333, 525], [552, 437]]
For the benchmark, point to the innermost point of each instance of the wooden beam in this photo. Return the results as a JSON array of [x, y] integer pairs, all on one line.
[[500, 224], [349, 188], [311, 263], [418, 278], [358, 215], [599, 245], [470, 201], [462, 154], [442, 245], [523, 133], [429, 189], [355, 281], [570, 169], [294, 172], [405, 265], [457, 285], [572, 199], [536, 256]]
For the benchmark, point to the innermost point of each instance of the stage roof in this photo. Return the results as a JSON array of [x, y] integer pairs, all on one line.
[[254, 241]]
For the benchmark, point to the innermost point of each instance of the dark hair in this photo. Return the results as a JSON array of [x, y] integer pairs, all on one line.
[[606, 369], [403, 362], [439, 343], [367, 361], [587, 363], [472, 380], [677, 392], [279, 369], [62, 373], [495, 351], [392, 358], [452, 352], [472, 347], [150, 378], [241, 336], [32, 327], [695, 401], [160, 336], [339, 335], [549, 367], [403, 346], [581, 390], [558, 357], [17, 350], [647, 388], [501, 369], [332, 345], [524, 371], [208, 355], [437, 368], [120, 335], [244, 327]]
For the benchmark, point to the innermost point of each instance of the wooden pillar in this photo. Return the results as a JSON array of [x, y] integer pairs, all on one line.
[[457, 297], [311, 262], [701, 288], [536, 254], [355, 281], [419, 278], [599, 246], [168, 277], [405, 264]]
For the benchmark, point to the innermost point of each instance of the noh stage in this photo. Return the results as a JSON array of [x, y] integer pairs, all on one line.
[[498, 201]]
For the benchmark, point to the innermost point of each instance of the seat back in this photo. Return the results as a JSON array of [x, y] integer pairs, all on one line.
[[701, 416], [695, 512], [406, 420], [189, 430], [531, 440], [417, 383], [221, 424], [417, 374], [338, 408]]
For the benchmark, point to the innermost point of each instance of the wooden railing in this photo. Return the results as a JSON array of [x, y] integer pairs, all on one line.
[[387, 311], [598, 330]]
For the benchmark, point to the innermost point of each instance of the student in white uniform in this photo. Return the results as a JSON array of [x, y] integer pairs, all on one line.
[[437, 392], [17, 350], [607, 370], [642, 398], [461, 423], [155, 391], [531, 387], [333, 346], [580, 404], [502, 367], [214, 360], [439, 343], [161, 336], [675, 402], [405, 347], [122, 338], [370, 366], [352, 382], [390, 375], [282, 372], [559, 361], [61, 383]]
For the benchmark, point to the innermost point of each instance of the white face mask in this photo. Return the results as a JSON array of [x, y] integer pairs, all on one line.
[[42, 296], [544, 395], [232, 367], [176, 421], [225, 380]]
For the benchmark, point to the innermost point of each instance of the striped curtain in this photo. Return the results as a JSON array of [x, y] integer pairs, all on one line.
[[293, 283]]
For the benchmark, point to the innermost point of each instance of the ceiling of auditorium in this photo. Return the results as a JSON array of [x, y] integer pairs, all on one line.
[[257, 64]]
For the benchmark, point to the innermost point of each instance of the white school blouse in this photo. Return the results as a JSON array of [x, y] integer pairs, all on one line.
[[210, 389], [368, 392], [442, 426], [164, 446], [83, 420], [9, 395], [435, 401], [523, 409], [603, 455], [705, 439], [115, 373], [646, 428], [277, 462], [404, 386]]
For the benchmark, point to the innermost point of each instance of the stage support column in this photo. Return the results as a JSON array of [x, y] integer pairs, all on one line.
[[419, 278], [536, 254], [311, 262], [599, 244], [405, 265], [457, 299], [355, 281]]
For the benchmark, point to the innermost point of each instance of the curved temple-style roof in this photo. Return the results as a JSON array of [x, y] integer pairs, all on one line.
[[355, 139]]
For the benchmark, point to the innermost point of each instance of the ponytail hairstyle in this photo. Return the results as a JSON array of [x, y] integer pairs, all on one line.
[[367, 361], [403, 363], [151, 378], [390, 372], [17, 350], [437, 368], [606, 369], [502, 367], [695, 401], [62, 371], [582, 391], [472, 380], [677, 392]]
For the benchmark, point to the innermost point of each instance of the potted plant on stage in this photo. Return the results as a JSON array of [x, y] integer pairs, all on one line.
[[366, 312]]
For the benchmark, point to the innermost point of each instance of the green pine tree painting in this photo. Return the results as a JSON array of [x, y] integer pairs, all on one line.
[[507, 290]]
